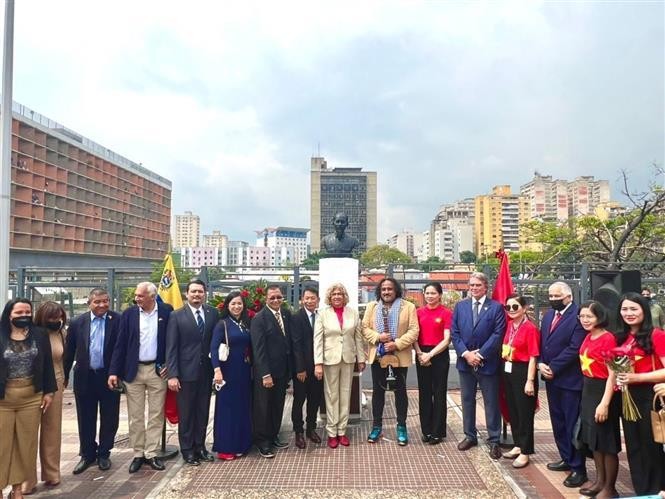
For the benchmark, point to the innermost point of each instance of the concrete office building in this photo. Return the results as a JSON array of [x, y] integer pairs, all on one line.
[[77, 203], [187, 230], [349, 190], [290, 243]]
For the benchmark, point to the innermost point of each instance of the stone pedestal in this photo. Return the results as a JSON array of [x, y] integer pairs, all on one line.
[[344, 270]]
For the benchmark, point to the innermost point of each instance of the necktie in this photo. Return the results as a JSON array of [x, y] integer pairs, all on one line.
[[312, 318], [96, 355], [555, 321], [199, 321], [278, 316], [476, 312]]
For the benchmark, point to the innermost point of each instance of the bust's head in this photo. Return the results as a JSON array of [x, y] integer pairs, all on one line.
[[340, 222]]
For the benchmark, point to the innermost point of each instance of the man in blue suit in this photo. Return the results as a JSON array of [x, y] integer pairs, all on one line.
[[559, 366], [479, 324], [138, 360], [90, 342]]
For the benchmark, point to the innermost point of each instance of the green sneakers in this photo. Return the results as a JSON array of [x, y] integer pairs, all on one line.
[[402, 438], [374, 435]]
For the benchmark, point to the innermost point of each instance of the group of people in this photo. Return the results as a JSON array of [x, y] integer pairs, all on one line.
[[198, 350]]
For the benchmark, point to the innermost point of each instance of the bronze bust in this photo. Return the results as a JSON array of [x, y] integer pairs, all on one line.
[[339, 244]]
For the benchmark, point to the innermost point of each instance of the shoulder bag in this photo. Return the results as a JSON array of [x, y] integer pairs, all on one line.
[[224, 349]]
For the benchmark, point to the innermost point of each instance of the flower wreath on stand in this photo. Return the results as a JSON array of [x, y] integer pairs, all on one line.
[[253, 296]]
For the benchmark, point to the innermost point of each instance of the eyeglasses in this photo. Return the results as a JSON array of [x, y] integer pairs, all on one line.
[[275, 298], [514, 307]]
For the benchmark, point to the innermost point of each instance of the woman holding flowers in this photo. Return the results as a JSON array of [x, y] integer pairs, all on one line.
[[645, 345], [520, 349], [600, 406], [232, 380]]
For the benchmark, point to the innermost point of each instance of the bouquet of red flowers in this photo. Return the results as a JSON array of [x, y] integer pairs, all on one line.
[[621, 360]]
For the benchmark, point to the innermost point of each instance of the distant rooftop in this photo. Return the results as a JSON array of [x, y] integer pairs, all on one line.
[[24, 113]]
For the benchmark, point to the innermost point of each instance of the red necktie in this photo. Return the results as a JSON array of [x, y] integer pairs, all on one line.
[[555, 321]]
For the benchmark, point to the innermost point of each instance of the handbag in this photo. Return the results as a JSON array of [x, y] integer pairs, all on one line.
[[658, 420], [224, 350]]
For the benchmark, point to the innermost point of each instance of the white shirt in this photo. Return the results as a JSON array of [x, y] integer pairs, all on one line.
[[148, 335], [203, 316]]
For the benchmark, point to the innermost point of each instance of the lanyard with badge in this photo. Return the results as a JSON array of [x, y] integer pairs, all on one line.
[[508, 365]]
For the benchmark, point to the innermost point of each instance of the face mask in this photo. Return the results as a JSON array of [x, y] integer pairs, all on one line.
[[54, 326], [22, 322], [557, 305]]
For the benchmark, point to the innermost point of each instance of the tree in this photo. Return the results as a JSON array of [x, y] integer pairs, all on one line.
[[433, 263], [382, 254], [467, 257], [312, 260]]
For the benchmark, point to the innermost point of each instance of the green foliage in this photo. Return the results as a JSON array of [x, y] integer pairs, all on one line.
[[312, 261], [433, 263], [183, 275], [467, 257], [382, 254], [253, 295]]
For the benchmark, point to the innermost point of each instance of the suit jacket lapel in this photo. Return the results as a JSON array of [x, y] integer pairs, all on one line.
[[107, 328]]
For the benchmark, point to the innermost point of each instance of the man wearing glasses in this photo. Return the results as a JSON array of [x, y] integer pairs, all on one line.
[[270, 332]]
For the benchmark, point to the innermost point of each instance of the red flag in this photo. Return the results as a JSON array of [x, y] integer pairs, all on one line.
[[503, 288]]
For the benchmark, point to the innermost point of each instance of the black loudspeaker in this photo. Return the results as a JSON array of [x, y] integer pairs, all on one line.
[[607, 286]]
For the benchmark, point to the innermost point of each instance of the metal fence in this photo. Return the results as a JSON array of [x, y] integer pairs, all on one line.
[[70, 286]]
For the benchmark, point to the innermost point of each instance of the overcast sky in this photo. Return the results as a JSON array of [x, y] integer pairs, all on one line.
[[229, 100]]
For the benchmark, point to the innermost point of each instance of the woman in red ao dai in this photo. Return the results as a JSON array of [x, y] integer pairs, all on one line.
[[600, 406], [521, 347]]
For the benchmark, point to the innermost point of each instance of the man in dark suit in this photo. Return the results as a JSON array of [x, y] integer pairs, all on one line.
[[479, 324], [270, 344], [190, 372], [559, 365], [305, 384], [91, 338], [138, 360]]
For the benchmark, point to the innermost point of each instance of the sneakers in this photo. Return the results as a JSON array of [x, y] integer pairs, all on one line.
[[333, 442], [374, 435], [343, 440], [402, 438]]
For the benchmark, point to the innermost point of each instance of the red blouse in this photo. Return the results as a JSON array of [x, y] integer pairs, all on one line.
[[646, 363], [520, 344], [591, 355], [433, 321]]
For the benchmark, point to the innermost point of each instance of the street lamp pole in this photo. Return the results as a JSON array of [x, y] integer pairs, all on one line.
[[6, 147]]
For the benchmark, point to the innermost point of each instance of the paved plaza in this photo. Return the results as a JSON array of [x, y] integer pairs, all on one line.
[[362, 470]]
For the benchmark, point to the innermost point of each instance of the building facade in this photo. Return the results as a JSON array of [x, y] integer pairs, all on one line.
[[408, 242], [215, 240], [187, 230], [289, 243], [348, 190], [498, 219], [77, 203]]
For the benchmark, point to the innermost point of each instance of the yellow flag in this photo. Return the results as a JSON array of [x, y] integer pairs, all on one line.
[[169, 291]]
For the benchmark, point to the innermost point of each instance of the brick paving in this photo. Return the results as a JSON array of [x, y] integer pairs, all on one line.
[[362, 470]]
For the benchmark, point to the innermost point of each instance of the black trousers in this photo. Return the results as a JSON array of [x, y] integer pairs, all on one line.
[[312, 391], [193, 409], [432, 387], [521, 407], [96, 397], [379, 375], [268, 409], [646, 458]]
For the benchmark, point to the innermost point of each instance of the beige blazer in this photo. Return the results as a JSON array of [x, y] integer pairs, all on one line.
[[334, 344], [407, 331]]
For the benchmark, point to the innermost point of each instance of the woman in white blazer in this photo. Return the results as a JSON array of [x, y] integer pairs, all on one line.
[[338, 344]]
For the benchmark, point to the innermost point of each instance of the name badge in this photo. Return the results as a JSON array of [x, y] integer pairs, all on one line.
[[508, 367]]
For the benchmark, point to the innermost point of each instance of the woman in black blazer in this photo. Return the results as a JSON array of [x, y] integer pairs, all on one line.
[[27, 385]]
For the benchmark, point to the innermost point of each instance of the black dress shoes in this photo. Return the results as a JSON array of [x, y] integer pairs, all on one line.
[[495, 451], [558, 466], [191, 460], [266, 452], [82, 465], [575, 479], [466, 444], [204, 455], [156, 464], [313, 436], [104, 463], [435, 440], [300, 440], [136, 464]]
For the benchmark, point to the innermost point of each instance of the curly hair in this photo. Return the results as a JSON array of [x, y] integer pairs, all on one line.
[[333, 287]]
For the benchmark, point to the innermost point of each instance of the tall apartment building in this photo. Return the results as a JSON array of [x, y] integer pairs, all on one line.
[[348, 190], [407, 241], [187, 230], [457, 220], [498, 217], [215, 240], [556, 200], [291, 243], [77, 203]]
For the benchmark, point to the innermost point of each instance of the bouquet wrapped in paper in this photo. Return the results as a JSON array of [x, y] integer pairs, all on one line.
[[621, 360]]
